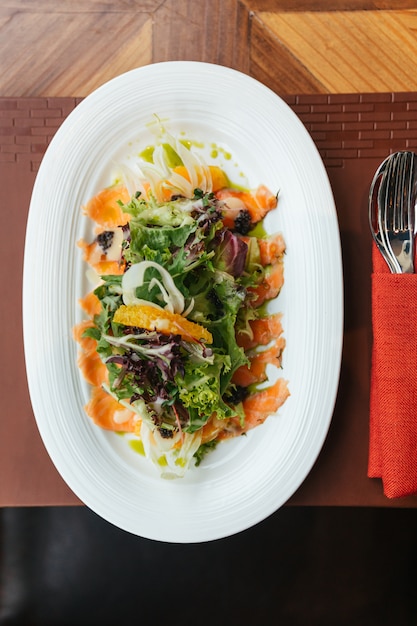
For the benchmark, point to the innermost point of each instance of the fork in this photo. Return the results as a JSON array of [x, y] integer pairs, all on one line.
[[393, 197]]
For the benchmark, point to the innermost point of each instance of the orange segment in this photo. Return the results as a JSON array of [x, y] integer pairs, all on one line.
[[219, 179], [152, 318], [181, 170]]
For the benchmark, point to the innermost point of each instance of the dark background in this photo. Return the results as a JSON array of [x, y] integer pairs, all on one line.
[[312, 566]]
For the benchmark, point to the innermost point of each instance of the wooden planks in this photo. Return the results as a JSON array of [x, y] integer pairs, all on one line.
[[70, 48], [81, 6], [214, 31], [302, 46], [70, 53], [335, 52]]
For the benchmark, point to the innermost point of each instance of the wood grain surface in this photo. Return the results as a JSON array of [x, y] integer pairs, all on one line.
[[302, 46]]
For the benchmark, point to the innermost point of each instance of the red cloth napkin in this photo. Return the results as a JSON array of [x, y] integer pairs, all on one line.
[[393, 397]]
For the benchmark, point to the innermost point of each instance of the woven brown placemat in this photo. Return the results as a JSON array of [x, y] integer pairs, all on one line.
[[353, 133]]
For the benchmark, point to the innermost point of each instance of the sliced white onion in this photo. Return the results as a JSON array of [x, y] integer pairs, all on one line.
[[171, 460], [153, 178], [134, 277], [93, 278], [133, 178], [180, 184]]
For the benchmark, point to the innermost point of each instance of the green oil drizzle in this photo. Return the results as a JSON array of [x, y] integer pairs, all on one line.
[[258, 231], [147, 154], [172, 157], [188, 143], [137, 446], [174, 160], [217, 151]]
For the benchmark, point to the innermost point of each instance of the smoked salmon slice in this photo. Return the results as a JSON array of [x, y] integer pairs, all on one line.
[[257, 408], [271, 248], [97, 259], [255, 372], [264, 403], [90, 304], [89, 361], [257, 203], [104, 208], [261, 331], [108, 413], [270, 286]]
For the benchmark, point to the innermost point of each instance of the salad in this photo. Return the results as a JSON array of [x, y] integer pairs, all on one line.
[[177, 343]]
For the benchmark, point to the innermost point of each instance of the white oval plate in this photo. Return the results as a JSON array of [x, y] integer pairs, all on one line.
[[244, 480]]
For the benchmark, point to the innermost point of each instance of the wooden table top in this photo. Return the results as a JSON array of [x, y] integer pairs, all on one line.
[[347, 70], [293, 46]]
